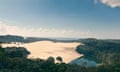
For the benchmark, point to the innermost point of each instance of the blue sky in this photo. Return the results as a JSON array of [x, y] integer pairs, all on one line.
[[61, 18]]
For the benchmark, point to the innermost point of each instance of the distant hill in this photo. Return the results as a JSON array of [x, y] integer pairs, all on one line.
[[11, 38], [14, 38]]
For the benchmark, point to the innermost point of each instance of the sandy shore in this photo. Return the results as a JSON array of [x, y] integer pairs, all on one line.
[[44, 49]]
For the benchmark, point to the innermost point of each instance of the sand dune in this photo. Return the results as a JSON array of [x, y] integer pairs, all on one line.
[[44, 49]]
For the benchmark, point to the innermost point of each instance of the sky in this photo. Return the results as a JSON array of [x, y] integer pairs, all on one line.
[[61, 18]]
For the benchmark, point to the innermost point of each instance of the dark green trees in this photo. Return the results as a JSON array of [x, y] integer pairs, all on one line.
[[15, 60], [2, 52], [59, 59], [16, 52]]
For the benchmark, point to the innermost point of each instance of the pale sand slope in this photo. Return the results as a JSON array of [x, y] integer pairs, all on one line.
[[45, 49]]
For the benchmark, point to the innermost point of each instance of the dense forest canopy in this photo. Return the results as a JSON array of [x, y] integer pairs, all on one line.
[[104, 51], [20, 63]]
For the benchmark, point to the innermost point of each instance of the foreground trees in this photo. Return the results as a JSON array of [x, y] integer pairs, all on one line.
[[15, 60]]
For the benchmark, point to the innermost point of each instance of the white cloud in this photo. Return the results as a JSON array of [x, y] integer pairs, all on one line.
[[40, 32], [45, 32], [111, 3]]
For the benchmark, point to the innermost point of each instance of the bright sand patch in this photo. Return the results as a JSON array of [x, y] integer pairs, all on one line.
[[44, 49]]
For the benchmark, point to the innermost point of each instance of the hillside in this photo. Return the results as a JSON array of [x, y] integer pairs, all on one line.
[[14, 38], [102, 51], [11, 38]]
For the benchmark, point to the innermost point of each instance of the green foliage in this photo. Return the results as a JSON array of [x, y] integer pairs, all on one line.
[[103, 51], [16, 52], [20, 63], [59, 59], [2, 52]]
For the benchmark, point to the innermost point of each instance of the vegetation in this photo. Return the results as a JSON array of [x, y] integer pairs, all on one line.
[[10, 38], [15, 60], [59, 59], [13, 38], [19, 63], [105, 52]]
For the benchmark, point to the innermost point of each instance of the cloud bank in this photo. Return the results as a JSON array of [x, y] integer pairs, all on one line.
[[40, 32], [47, 32], [111, 3]]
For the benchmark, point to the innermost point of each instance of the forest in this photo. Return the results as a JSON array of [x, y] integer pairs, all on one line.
[[14, 59], [104, 52]]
